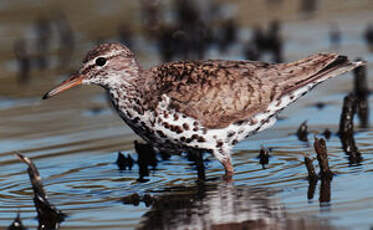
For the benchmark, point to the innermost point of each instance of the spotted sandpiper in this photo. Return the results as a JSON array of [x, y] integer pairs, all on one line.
[[201, 105]]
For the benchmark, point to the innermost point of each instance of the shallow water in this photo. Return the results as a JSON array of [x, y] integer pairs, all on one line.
[[74, 139]]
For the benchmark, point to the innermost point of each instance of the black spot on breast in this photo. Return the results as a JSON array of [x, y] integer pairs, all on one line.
[[219, 144], [178, 129], [201, 139], [194, 136], [176, 117], [186, 126], [235, 141], [166, 125], [230, 134]]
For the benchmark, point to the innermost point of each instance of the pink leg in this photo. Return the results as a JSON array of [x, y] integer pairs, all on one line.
[[224, 157], [229, 171]]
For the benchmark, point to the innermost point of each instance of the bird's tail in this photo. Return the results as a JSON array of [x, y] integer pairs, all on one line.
[[310, 71]]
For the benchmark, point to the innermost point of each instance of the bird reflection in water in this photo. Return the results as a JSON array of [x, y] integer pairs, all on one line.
[[222, 206]]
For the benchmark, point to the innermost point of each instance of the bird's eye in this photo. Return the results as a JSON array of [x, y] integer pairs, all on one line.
[[101, 61]]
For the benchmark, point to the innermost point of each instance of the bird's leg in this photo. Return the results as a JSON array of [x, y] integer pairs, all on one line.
[[228, 169], [224, 157], [227, 163]]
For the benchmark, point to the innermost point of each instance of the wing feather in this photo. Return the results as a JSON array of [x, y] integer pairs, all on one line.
[[218, 93]]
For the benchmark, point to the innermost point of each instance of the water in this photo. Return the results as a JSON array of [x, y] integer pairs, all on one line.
[[74, 139]]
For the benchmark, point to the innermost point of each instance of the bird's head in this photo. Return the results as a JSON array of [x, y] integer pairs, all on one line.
[[107, 65]]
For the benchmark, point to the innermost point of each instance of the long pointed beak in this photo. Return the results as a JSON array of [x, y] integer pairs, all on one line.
[[74, 80]]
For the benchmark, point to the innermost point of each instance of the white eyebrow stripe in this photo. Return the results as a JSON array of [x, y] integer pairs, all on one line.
[[107, 56]]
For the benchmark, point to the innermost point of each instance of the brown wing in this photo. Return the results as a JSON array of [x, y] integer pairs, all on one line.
[[218, 93]]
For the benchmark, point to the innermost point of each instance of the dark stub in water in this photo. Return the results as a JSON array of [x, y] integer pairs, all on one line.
[[48, 215], [346, 129]]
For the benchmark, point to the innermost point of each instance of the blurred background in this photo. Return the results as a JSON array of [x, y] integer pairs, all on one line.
[[74, 138]]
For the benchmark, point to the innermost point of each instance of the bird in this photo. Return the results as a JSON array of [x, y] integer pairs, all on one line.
[[200, 105]]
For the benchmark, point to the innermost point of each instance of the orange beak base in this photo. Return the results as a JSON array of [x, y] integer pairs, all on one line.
[[74, 80]]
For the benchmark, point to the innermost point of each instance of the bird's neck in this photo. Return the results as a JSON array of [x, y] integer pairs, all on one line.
[[127, 93], [124, 74]]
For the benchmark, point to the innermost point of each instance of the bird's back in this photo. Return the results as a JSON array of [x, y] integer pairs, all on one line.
[[219, 93]]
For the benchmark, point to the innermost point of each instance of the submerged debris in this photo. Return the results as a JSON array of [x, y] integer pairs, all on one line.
[[263, 156], [346, 129], [320, 105], [17, 224], [135, 199], [302, 132], [165, 155], [361, 91], [124, 162], [48, 215], [146, 157], [327, 134]]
